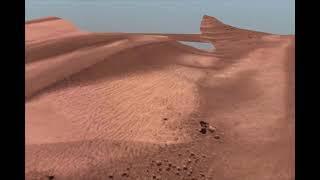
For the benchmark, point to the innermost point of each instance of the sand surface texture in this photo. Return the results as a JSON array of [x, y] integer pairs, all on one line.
[[144, 106]]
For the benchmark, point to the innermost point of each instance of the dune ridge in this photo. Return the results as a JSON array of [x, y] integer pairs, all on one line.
[[98, 103]]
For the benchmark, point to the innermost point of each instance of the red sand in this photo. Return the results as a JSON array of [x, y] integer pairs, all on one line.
[[99, 103]]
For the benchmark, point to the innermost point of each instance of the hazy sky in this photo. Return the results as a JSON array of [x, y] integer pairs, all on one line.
[[169, 16]]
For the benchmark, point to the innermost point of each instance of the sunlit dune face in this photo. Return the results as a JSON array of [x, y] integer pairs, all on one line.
[[134, 102], [98, 103]]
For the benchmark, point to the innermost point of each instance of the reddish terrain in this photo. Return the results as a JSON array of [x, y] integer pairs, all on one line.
[[144, 106]]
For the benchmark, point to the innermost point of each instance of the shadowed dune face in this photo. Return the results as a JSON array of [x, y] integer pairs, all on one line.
[[99, 103]]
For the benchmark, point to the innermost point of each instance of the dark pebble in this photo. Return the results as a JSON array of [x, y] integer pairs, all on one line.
[[204, 124], [159, 163], [203, 130], [50, 177], [125, 174]]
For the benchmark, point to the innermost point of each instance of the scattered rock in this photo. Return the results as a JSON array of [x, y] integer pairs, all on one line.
[[110, 176], [192, 154], [206, 127], [165, 119], [178, 168], [185, 167], [154, 176], [169, 164], [217, 137]]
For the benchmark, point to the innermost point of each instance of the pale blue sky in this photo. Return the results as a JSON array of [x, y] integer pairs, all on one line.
[[167, 16]]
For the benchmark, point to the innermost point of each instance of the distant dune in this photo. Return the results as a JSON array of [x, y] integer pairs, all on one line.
[[144, 106]]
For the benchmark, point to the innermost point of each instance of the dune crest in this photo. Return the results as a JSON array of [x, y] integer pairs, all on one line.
[[99, 103]]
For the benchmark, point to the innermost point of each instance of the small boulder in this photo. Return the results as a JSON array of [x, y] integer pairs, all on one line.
[[203, 130], [212, 129], [204, 124], [158, 163], [189, 161]]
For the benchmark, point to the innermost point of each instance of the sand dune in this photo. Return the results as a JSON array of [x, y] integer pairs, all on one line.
[[114, 104]]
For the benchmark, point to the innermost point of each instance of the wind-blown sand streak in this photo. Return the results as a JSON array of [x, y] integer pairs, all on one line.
[[99, 103]]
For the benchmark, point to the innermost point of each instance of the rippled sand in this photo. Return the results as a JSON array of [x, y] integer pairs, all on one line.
[[99, 103]]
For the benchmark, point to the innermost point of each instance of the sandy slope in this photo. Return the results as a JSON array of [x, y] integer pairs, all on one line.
[[99, 103]]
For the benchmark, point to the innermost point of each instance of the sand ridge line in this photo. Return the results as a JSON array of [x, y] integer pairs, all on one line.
[[45, 72], [50, 18], [99, 107]]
